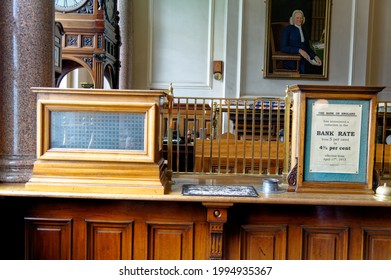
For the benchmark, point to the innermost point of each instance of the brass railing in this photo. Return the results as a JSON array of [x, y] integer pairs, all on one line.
[[244, 136], [383, 140]]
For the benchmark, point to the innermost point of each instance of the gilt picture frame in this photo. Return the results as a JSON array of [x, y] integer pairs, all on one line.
[[282, 58]]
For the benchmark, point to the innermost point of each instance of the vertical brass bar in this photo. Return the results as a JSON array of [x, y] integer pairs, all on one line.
[[194, 132], [227, 136], [253, 136], [277, 142], [236, 137], [384, 141], [287, 132], [186, 136], [202, 128], [178, 130], [244, 136], [269, 138], [262, 138], [170, 100], [260, 128], [220, 136], [383, 138], [213, 122], [387, 104]]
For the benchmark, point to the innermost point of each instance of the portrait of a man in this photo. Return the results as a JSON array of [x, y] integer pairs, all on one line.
[[297, 33]]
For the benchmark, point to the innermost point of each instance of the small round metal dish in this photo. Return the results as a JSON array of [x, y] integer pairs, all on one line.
[[270, 186], [271, 192]]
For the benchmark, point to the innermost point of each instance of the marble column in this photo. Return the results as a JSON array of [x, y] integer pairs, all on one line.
[[125, 9], [27, 29]]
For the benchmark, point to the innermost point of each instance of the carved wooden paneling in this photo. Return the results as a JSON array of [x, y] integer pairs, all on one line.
[[377, 243], [325, 243], [109, 240], [263, 242], [216, 216], [170, 241], [105, 229], [48, 239]]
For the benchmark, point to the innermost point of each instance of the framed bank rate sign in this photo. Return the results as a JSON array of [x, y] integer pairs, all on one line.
[[334, 138], [336, 141]]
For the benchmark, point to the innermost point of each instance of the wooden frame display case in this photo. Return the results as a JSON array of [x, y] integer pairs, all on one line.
[[91, 140], [334, 138]]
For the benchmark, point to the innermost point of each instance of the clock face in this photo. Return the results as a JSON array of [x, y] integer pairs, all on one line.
[[68, 5]]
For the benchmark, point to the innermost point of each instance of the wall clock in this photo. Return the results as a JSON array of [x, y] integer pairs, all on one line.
[[68, 5]]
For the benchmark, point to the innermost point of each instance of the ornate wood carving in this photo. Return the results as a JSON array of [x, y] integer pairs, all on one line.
[[71, 40], [90, 33], [88, 61], [292, 179], [216, 216], [87, 41], [88, 8]]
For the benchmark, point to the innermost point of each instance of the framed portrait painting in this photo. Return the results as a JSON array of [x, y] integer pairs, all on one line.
[[297, 39]]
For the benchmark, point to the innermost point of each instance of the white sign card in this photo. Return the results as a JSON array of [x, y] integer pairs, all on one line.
[[335, 137]]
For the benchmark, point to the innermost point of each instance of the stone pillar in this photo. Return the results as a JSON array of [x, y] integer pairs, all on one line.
[[27, 29], [125, 9]]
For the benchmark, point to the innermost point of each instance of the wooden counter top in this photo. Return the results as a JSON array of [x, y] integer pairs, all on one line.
[[19, 190]]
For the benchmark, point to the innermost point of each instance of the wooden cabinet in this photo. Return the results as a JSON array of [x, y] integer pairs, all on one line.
[[115, 230], [170, 241], [263, 242], [327, 243], [109, 240], [308, 232], [48, 238], [101, 229]]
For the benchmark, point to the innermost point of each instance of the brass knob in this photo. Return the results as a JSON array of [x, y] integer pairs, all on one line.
[[217, 213]]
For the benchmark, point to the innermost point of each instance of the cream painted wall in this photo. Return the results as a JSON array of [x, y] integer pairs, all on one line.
[[176, 41], [358, 47], [379, 60]]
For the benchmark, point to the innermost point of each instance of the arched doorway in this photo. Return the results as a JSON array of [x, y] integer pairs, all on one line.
[[78, 75]]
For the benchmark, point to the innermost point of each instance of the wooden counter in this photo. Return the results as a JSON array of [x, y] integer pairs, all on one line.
[[65, 225], [19, 190]]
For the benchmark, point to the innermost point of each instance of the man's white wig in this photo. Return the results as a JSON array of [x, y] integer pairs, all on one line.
[[291, 19]]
